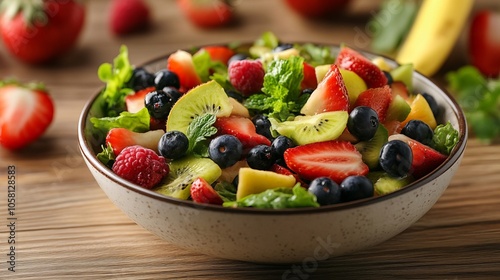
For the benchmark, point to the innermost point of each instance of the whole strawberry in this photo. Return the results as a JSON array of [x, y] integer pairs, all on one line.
[[140, 166], [39, 31], [26, 111], [128, 16]]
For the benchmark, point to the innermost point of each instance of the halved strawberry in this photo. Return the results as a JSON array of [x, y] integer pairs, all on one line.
[[120, 138], [243, 129], [425, 158], [207, 13], [219, 53], [378, 99], [330, 95], [350, 59], [334, 159], [202, 192], [135, 102], [309, 81], [181, 63], [26, 111]]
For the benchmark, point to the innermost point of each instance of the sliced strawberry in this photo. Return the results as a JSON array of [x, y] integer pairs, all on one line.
[[350, 59], [330, 95], [378, 99], [207, 13], [425, 158], [135, 102], [309, 81], [285, 171], [399, 88], [181, 63], [25, 114], [219, 53], [334, 159], [202, 192], [120, 138], [243, 129]]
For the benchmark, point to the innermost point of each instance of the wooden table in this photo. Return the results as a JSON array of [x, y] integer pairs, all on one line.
[[67, 228]]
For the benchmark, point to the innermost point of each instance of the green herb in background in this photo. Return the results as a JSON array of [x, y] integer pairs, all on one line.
[[479, 97]]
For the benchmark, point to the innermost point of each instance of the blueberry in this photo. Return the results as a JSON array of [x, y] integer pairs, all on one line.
[[418, 130], [363, 123], [355, 187], [327, 192], [237, 57], [235, 95], [225, 150], [395, 158], [173, 145], [236, 181], [260, 157], [388, 75], [307, 91], [159, 102], [433, 104], [280, 145], [282, 47], [141, 79], [262, 126], [166, 78]]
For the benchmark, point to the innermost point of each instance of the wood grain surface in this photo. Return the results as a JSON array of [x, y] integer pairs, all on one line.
[[66, 227]]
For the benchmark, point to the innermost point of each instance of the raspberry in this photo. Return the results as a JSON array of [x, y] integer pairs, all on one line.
[[247, 76], [141, 166]]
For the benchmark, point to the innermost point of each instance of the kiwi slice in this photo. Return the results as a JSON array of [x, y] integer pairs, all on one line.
[[184, 171], [316, 128], [387, 184], [404, 73], [209, 97], [398, 109], [370, 150]]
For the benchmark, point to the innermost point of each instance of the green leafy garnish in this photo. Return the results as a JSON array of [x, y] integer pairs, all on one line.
[[282, 97], [479, 97], [137, 122], [205, 66], [279, 198], [198, 131], [445, 138], [107, 156], [316, 55], [226, 190], [116, 77], [264, 44]]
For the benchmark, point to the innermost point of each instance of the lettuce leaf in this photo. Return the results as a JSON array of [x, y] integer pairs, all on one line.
[[282, 97], [445, 138], [315, 54], [137, 122], [279, 198], [226, 190], [205, 66]]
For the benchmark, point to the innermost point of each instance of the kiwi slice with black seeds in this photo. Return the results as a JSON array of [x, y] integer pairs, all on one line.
[[184, 171], [387, 184], [316, 128], [206, 98], [370, 149]]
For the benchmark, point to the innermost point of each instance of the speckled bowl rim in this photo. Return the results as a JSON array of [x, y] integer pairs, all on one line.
[[454, 156]]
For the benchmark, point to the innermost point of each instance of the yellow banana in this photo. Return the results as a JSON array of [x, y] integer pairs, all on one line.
[[434, 33]]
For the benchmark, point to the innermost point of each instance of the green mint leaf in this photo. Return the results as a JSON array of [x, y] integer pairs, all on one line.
[[226, 190], [116, 77], [106, 156], [198, 131], [445, 138], [279, 198], [137, 122]]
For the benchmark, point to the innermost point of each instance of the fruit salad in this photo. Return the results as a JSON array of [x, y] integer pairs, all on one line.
[[269, 125]]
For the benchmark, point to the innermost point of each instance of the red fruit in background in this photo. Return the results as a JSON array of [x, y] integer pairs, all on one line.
[[25, 114], [329, 95], [484, 42], [36, 41], [128, 16], [140, 166], [378, 99], [219, 53], [350, 59], [181, 63], [334, 159], [202, 192], [316, 8], [207, 13], [241, 128]]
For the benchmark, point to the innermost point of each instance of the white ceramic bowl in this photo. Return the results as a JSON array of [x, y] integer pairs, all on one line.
[[278, 236]]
